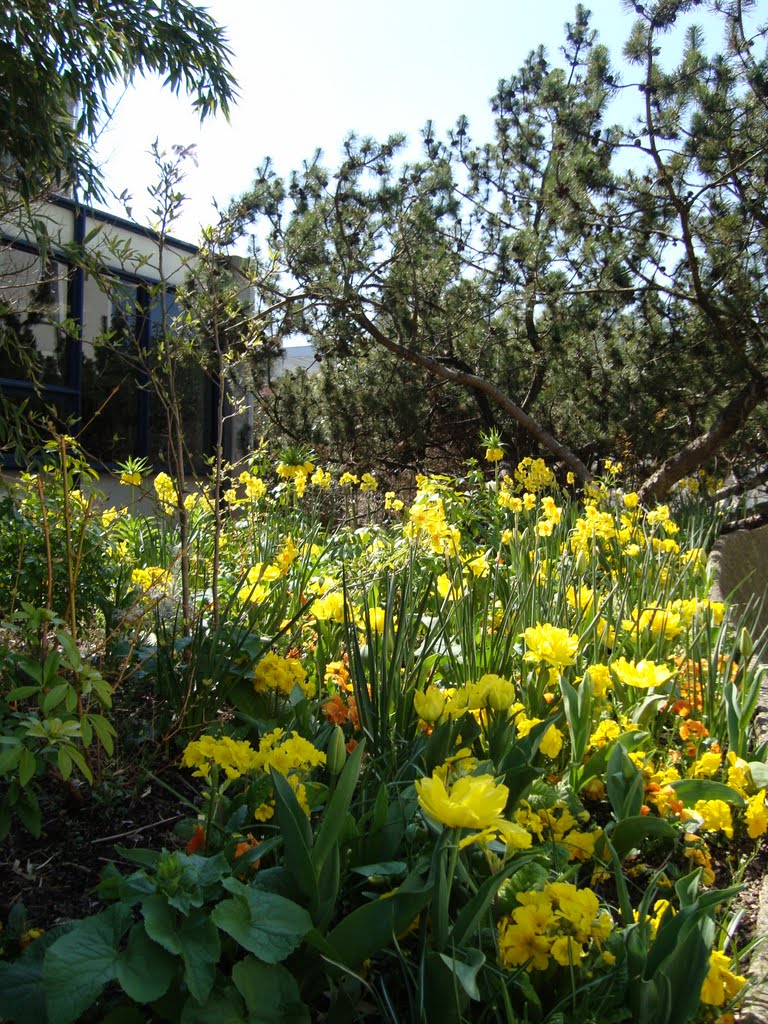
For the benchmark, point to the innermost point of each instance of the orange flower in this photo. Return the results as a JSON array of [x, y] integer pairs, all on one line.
[[692, 729], [247, 844], [351, 744], [682, 708], [198, 839], [335, 710]]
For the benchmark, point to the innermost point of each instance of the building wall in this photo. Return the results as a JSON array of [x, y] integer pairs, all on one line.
[[65, 308]]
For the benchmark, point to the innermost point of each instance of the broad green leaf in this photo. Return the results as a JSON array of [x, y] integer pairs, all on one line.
[[23, 996], [79, 964], [264, 923], [104, 730], [759, 772], [145, 970], [64, 763], [624, 784], [221, 1007], [691, 790], [70, 649], [630, 832], [9, 758], [194, 938], [271, 993], [374, 925]]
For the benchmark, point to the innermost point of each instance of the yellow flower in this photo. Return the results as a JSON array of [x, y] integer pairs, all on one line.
[[566, 950], [368, 482], [601, 679], [130, 479], [721, 984], [552, 742], [706, 766], [321, 478], [348, 480], [715, 816], [429, 704], [494, 454], [756, 815], [642, 674], [551, 644], [165, 489], [473, 802]]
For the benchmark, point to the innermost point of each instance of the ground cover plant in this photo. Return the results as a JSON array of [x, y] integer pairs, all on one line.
[[479, 752]]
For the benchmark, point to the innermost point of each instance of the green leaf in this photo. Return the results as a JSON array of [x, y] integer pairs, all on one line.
[[145, 970], [271, 993], [10, 757], [64, 762], [629, 833], [194, 938], [264, 923], [466, 970], [27, 766], [471, 914], [222, 1007], [28, 810], [80, 761], [384, 869], [297, 836], [21, 693], [691, 790], [624, 783], [335, 814], [54, 697], [759, 772], [578, 715], [23, 996], [104, 730], [79, 964], [74, 658], [374, 925]]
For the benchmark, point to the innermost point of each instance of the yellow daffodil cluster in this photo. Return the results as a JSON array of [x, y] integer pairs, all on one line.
[[165, 489], [534, 475], [562, 923], [152, 580], [256, 585], [427, 523]]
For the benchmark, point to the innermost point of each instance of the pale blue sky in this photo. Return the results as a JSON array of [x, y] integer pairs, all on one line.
[[311, 72]]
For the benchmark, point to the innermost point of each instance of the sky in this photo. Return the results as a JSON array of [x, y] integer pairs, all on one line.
[[310, 73]]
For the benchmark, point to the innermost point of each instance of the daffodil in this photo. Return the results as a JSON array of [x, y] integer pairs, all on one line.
[[551, 644], [642, 674]]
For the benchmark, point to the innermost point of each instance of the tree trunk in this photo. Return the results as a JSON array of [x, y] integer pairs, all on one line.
[[731, 419]]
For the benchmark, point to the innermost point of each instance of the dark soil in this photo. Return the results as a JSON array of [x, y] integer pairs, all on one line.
[[55, 874]]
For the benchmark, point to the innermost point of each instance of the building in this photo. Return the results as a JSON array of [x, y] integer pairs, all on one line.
[[88, 332]]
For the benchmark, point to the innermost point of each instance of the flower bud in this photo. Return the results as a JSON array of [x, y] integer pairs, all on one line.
[[746, 643], [336, 752]]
